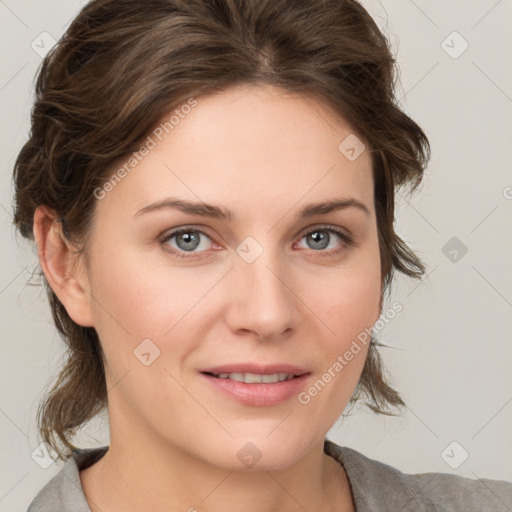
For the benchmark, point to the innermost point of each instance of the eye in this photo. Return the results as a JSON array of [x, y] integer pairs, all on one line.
[[187, 240], [321, 237]]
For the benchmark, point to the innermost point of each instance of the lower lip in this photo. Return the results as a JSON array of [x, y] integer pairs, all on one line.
[[258, 395]]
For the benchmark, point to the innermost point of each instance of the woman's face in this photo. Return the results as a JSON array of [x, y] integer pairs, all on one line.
[[265, 286]]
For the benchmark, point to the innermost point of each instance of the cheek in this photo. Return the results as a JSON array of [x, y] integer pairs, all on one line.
[[349, 308], [351, 312], [348, 299], [135, 301], [134, 293], [352, 305], [348, 303]]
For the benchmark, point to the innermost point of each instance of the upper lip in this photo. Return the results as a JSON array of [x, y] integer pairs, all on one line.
[[267, 369]]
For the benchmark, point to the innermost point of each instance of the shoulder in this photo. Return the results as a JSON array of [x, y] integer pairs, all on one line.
[[64, 493], [379, 486]]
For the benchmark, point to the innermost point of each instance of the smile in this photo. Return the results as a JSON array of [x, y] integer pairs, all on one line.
[[255, 378], [256, 389]]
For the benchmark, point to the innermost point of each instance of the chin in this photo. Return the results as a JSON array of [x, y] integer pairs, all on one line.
[[261, 452]]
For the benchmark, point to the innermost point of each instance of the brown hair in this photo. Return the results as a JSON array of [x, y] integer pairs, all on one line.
[[121, 66]]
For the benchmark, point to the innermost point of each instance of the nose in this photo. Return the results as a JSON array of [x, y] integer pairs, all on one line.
[[262, 300]]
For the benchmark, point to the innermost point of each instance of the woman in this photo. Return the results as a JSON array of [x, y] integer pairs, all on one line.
[[211, 188]]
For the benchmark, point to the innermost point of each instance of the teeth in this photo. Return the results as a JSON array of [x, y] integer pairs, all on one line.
[[254, 378]]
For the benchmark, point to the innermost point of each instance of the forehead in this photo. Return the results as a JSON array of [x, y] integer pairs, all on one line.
[[246, 145]]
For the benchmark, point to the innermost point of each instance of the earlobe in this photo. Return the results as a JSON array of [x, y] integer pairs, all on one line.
[[57, 261]]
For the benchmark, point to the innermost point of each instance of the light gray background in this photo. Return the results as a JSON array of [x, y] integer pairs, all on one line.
[[453, 349]]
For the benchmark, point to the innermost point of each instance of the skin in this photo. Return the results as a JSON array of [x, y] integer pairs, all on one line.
[[263, 154]]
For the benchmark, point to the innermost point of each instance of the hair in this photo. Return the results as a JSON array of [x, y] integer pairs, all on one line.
[[121, 66]]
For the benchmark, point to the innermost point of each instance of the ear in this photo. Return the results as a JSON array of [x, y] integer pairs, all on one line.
[[67, 279]]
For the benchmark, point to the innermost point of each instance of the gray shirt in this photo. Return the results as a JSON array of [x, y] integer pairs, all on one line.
[[375, 486]]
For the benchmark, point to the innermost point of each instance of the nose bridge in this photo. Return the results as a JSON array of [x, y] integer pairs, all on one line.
[[264, 301]]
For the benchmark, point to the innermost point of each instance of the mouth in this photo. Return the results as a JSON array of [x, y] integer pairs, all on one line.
[[255, 385], [255, 378]]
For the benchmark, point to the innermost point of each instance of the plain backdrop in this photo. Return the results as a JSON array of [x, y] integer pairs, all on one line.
[[452, 344]]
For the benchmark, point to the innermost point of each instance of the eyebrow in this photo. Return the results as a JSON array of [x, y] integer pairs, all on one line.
[[218, 212]]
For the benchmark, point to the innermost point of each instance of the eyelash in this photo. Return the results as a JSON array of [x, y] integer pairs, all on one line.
[[348, 241]]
